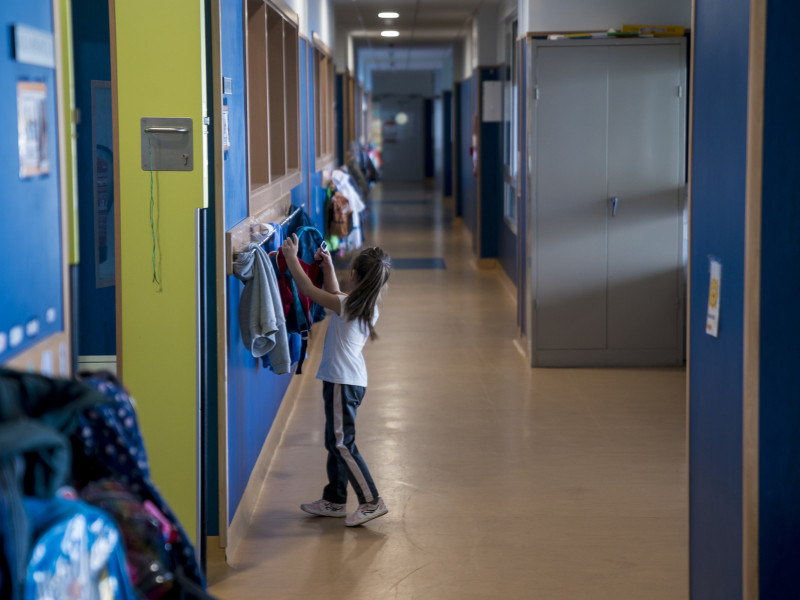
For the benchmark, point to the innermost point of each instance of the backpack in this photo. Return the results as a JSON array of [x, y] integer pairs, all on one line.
[[300, 311], [77, 552], [340, 212]]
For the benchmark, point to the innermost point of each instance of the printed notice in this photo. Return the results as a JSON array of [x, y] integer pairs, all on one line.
[[712, 317], [226, 132], [32, 129]]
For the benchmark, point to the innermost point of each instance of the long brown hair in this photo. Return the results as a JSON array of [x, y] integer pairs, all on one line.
[[372, 269]]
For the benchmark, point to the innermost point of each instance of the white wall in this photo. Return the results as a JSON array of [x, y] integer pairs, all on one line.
[[343, 52], [600, 15], [316, 16], [487, 35], [507, 11]]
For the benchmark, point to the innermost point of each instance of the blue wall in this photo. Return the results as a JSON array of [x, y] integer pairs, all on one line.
[[715, 384], [314, 177], [488, 227], [30, 219], [254, 393], [507, 246], [522, 208], [467, 184], [300, 194], [447, 109], [235, 159], [429, 143], [491, 175], [341, 151], [779, 468], [92, 59]]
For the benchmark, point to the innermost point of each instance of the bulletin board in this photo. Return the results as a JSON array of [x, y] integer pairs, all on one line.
[[34, 307]]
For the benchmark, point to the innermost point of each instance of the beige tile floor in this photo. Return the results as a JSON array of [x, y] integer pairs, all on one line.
[[501, 481]]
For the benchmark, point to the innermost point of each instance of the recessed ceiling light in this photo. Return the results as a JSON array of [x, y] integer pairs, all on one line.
[[390, 33], [388, 15]]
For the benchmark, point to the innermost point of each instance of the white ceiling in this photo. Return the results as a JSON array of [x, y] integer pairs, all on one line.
[[428, 29], [420, 21]]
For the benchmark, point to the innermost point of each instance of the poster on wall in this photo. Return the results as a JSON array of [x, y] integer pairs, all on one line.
[[103, 162], [32, 130]]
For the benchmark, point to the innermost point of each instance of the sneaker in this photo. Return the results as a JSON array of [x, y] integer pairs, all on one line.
[[366, 512], [323, 508]]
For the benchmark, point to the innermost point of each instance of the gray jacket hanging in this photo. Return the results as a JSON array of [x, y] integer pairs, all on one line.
[[261, 320]]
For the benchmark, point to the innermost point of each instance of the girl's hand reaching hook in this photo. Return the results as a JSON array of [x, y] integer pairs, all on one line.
[[289, 246]]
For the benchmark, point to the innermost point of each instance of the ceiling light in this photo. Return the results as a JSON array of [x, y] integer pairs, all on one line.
[[388, 15], [390, 33]]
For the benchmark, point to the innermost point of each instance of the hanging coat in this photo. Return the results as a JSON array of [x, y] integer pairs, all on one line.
[[261, 319]]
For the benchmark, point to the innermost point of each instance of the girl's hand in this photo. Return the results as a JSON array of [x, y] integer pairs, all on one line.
[[324, 257], [289, 246]]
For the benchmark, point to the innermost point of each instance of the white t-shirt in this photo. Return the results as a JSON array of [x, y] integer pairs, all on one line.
[[342, 361]]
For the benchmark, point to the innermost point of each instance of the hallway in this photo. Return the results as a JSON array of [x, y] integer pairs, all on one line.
[[501, 481]]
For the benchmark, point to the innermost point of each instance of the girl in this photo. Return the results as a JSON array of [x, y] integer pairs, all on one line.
[[344, 374]]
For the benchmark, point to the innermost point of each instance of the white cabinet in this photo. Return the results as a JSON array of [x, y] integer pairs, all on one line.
[[607, 143]]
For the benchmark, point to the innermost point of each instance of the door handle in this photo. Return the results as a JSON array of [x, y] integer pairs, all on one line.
[[614, 202]]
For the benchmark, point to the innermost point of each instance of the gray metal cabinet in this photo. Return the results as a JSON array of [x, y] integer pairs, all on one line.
[[607, 142]]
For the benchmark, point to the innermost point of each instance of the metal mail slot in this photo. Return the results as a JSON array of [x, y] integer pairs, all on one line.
[[167, 144]]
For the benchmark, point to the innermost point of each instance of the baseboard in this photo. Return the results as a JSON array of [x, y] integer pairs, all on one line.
[[487, 264], [509, 285], [521, 344], [244, 512]]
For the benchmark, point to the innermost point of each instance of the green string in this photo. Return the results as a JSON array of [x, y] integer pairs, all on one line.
[[152, 202]]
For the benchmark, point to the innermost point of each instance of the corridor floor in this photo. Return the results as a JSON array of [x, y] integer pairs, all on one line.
[[502, 481]]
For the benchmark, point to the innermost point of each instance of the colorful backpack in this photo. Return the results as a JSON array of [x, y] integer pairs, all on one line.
[[340, 215], [300, 311]]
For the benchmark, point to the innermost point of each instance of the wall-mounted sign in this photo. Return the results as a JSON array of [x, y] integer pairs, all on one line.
[[226, 131], [492, 101], [715, 279], [32, 131], [34, 46]]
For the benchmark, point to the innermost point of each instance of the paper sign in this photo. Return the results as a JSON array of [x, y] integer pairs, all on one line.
[[712, 317], [34, 46], [226, 132], [492, 101], [47, 363], [32, 129]]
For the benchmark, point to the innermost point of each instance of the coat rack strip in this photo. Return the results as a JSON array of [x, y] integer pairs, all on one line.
[[238, 237]]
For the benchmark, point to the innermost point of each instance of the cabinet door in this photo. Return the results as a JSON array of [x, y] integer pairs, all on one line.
[[569, 222], [646, 173]]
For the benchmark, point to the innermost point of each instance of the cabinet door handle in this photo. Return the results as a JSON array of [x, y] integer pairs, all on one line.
[[614, 202]]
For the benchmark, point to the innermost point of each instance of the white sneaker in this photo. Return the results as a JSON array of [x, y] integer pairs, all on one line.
[[366, 512], [323, 508]]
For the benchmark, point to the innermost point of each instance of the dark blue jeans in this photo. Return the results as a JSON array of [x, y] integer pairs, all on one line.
[[344, 460]]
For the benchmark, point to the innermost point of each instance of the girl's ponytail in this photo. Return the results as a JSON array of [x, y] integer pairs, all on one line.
[[372, 267]]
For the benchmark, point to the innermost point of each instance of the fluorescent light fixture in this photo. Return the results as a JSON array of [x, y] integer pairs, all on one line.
[[390, 33], [388, 15]]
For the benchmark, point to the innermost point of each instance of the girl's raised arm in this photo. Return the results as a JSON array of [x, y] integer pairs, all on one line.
[[304, 285]]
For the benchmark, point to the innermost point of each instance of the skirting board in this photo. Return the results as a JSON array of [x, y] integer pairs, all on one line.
[[244, 513], [508, 285]]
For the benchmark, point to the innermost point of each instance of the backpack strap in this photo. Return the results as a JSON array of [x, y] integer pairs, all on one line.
[[303, 325]]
